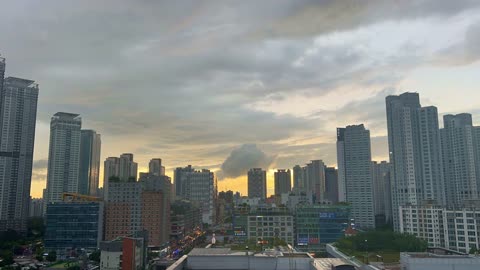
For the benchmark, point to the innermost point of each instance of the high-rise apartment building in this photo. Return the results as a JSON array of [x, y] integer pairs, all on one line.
[[381, 192], [415, 153], [461, 159], [18, 114], [257, 183], [315, 179], [356, 167], [331, 184], [122, 169], [299, 175], [155, 167], [90, 145], [63, 156], [36, 207], [283, 182]]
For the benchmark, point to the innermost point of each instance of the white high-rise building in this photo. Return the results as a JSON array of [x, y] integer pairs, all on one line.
[[461, 159], [282, 182], [18, 113], [415, 153], [299, 175], [155, 167], [451, 228], [356, 167], [63, 156]]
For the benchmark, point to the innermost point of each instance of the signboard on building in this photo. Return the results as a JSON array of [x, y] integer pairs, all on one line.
[[327, 215]]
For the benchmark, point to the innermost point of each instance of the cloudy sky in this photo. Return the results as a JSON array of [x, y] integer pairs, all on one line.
[[229, 85]]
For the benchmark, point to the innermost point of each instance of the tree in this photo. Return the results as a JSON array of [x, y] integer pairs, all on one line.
[[7, 258], [95, 256], [52, 256], [473, 250]]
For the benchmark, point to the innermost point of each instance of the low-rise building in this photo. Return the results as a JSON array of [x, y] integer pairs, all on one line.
[[319, 224], [126, 253], [270, 223], [429, 261], [73, 225], [456, 229]]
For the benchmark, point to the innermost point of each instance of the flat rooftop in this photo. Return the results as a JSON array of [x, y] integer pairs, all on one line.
[[327, 263], [436, 256]]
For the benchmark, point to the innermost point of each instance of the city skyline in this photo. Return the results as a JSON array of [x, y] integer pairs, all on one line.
[[163, 90]]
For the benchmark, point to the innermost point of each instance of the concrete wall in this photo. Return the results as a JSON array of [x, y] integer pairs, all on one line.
[[410, 263]]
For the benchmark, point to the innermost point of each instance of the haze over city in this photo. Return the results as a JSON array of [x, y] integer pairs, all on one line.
[[229, 86]]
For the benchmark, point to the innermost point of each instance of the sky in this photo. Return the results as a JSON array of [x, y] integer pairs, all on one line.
[[231, 85]]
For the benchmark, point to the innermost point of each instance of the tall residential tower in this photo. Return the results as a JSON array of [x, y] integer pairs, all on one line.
[[18, 114], [356, 167]]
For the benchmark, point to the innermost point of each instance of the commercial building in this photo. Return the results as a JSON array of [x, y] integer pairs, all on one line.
[[331, 184], [90, 145], [355, 165], [180, 178], [455, 229], [415, 153], [198, 187], [63, 156], [282, 181], [155, 167], [268, 223], [125, 253], [18, 114], [185, 216], [72, 225], [257, 183], [319, 224]]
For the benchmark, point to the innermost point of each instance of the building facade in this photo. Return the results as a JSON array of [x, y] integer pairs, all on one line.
[[18, 114], [415, 153], [270, 223], [71, 226], [331, 184], [299, 175], [356, 168], [461, 159], [89, 174], [315, 179], [381, 192], [257, 183], [125, 253], [122, 169], [63, 156], [283, 181], [320, 224], [455, 229], [180, 176]]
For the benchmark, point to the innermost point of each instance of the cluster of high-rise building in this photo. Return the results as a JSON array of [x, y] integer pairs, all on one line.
[[430, 187]]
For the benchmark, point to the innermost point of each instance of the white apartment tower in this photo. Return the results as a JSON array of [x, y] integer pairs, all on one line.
[[461, 159], [63, 156], [356, 167], [18, 113], [415, 153]]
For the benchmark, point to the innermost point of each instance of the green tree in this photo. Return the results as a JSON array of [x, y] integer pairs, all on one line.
[[95, 256], [7, 258], [473, 250], [52, 256]]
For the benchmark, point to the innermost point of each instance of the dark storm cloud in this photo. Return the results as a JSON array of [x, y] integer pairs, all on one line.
[[244, 158], [184, 78]]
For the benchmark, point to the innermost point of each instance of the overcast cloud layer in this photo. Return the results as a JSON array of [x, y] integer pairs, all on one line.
[[215, 83]]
